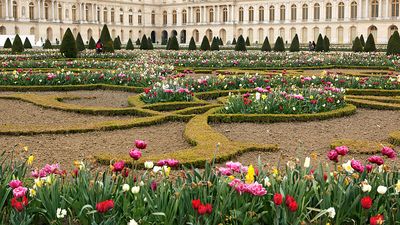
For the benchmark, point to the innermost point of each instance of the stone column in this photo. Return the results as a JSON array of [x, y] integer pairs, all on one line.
[[7, 8], [43, 11], [347, 8], [39, 13], [380, 10], [359, 11], [52, 11], [366, 9], [387, 9]]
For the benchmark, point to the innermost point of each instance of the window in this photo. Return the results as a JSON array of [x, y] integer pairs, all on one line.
[[59, 12], [293, 13], [251, 14], [165, 18], [87, 12], [316, 11], [153, 18], [282, 13], [328, 11], [374, 8], [241, 14], [46, 11], [225, 15], [31, 11], [271, 13], [130, 17], [197, 15], [353, 10], [174, 17], [121, 16], [139, 18], [74, 13], [261, 14], [184, 17], [112, 15], [305, 12], [341, 11], [105, 15], [211, 15], [395, 8], [15, 10]]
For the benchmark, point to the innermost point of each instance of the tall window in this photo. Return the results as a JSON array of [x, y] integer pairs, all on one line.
[[225, 15], [328, 12], [15, 9], [251, 14], [121, 16], [293, 13], [46, 11], [31, 11], [261, 14], [282, 13], [174, 17], [316, 11], [271, 13], [395, 8], [305, 12], [153, 18], [241, 14], [87, 12], [353, 11], [165, 18], [139, 17], [197, 15], [59, 12], [341, 11], [211, 15], [374, 8], [112, 15], [74, 13], [184, 16], [130, 17]]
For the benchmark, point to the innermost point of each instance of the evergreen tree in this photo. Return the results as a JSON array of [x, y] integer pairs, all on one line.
[[150, 44], [168, 47], [393, 46], [234, 41], [8, 43], [320, 44], [241, 44], [79, 43], [221, 42], [215, 44], [117, 43], [279, 45], [129, 45], [205, 44], [326, 44], [17, 46], [173, 45], [106, 40], [370, 44], [138, 42], [27, 43], [192, 44], [362, 40], [247, 41], [144, 44], [295, 45], [357, 46], [266, 47], [47, 44], [92, 43], [68, 45]]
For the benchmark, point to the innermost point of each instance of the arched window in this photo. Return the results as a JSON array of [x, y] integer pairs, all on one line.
[[165, 18], [60, 12], [282, 13], [293, 12], [251, 14], [374, 8], [241, 14], [353, 11], [225, 15], [46, 11], [316, 11], [31, 11], [130, 17], [328, 12], [341, 11], [153, 18], [184, 16], [174, 17], [271, 13], [74, 12], [395, 8], [87, 13], [112, 15], [211, 15], [197, 15], [15, 10], [261, 14], [121, 16], [139, 17], [305, 12], [105, 16]]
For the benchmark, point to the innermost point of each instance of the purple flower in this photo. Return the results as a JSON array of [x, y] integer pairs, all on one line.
[[369, 167], [153, 185], [168, 162], [135, 154], [256, 189], [357, 166]]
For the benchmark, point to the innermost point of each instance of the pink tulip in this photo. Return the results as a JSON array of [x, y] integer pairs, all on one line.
[[342, 150], [140, 144], [119, 166], [376, 159], [168, 162], [15, 183], [20, 192], [369, 167], [225, 171], [333, 156], [357, 166], [256, 189], [389, 152], [135, 154]]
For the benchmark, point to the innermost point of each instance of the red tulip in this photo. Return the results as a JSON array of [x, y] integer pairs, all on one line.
[[366, 202], [196, 203], [376, 220], [278, 198], [105, 206]]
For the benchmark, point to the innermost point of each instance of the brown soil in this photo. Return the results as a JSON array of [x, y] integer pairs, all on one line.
[[299, 140]]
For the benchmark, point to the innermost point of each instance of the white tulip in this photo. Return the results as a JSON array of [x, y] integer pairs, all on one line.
[[148, 164], [307, 162], [381, 189], [331, 212], [135, 189], [132, 222], [125, 187]]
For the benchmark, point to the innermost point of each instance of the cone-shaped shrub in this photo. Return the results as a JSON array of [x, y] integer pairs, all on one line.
[[68, 45], [221, 42], [370, 44], [168, 44], [326, 44], [320, 44], [129, 45], [138, 42], [240, 44], [117, 44], [79, 43], [173, 43], [357, 46], [247, 41], [17, 45], [393, 47], [279, 45], [27, 43], [47, 44], [266, 47], [234, 41], [295, 45], [362, 40], [105, 38], [192, 44], [8, 43], [205, 44], [150, 44], [92, 43], [215, 44], [144, 44]]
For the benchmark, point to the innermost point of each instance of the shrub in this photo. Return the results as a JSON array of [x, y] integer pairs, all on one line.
[[266, 47], [326, 44], [215, 44], [47, 44], [192, 44], [150, 44], [279, 45], [79, 43], [370, 44], [357, 46], [393, 47], [105, 38], [362, 40], [129, 45], [27, 43], [320, 44], [138, 42], [8, 43], [220, 41], [17, 45], [168, 44], [173, 43], [144, 44], [234, 41], [247, 41], [92, 43], [117, 44], [205, 44], [295, 45], [68, 45], [240, 45]]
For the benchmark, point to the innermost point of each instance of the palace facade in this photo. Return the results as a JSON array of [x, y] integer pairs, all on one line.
[[340, 20]]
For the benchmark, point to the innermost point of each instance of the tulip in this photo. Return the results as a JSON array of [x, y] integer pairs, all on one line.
[[125, 187], [389, 152], [381, 189], [278, 198], [119, 166], [135, 189], [20, 192], [148, 164], [357, 166], [342, 150], [377, 220], [15, 183], [333, 156], [376, 159], [366, 202], [140, 144], [105, 206], [135, 154]]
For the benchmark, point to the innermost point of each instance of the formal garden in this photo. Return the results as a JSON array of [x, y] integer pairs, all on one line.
[[200, 134]]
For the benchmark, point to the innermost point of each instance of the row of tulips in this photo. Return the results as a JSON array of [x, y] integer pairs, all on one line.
[[300, 193]]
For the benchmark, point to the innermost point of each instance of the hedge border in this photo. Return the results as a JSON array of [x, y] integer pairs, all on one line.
[[71, 87], [373, 92], [394, 138], [360, 146], [373, 104]]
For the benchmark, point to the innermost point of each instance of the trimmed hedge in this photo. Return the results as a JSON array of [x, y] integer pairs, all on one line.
[[394, 138], [79, 42], [363, 103], [17, 46], [205, 44], [68, 45], [27, 43]]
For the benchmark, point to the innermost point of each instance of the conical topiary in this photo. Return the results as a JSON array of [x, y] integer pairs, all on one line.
[[215, 44], [137, 42], [173, 43], [106, 40], [279, 45], [129, 45], [266, 47], [8, 43], [234, 41], [92, 43], [167, 47], [27, 43], [362, 40], [192, 44], [68, 45], [370, 44], [17, 45], [79, 43], [247, 41], [144, 44], [205, 44], [117, 43], [393, 46], [150, 44], [47, 44], [357, 46], [240, 44], [221, 42], [295, 45], [320, 44], [326, 44]]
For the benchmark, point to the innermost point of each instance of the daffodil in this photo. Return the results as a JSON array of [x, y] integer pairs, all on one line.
[[30, 159], [397, 186], [250, 175]]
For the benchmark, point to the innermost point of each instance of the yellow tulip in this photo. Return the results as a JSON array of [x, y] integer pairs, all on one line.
[[30, 160], [250, 175]]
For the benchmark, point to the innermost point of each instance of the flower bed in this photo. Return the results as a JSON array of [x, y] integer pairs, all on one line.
[[166, 92]]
